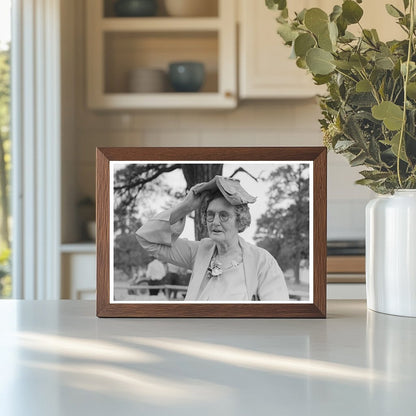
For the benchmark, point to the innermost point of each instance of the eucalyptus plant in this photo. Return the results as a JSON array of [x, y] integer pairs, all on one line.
[[369, 111]]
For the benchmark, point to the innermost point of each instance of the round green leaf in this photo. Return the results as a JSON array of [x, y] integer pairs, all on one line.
[[412, 67], [351, 11], [333, 32], [336, 12], [301, 63], [363, 86], [316, 20], [319, 61], [301, 15], [348, 37], [394, 143], [342, 25], [287, 33], [325, 42], [344, 65], [411, 90], [276, 4], [384, 62], [303, 43], [322, 79], [358, 61], [391, 114]]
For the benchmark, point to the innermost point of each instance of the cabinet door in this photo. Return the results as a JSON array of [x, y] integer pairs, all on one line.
[[376, 17], [266, 71], [78, 276]]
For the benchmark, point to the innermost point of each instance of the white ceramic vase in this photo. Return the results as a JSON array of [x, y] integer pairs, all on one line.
[[391, 253]]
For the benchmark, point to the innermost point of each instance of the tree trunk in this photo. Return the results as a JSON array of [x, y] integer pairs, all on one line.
[[4, 196], [195, 174]]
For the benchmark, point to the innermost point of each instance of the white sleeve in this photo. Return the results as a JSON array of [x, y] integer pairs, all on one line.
[[160, 238]]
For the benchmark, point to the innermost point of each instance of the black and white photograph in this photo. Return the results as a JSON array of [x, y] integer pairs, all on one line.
[[217, 231]]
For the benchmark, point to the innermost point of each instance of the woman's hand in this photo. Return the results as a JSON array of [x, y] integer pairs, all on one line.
[[194, 197], [206, 186], [192, 200]]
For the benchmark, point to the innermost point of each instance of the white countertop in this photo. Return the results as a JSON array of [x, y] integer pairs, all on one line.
[[57, 358]]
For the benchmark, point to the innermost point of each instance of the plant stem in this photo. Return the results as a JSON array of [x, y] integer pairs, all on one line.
[[406, 79]]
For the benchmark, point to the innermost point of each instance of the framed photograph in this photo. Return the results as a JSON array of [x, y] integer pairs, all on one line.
[[211, 232]]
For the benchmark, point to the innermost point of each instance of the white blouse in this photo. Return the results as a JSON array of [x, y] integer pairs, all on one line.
[[230, 285]]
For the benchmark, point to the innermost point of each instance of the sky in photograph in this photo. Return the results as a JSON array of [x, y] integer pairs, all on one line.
[[258, 189]]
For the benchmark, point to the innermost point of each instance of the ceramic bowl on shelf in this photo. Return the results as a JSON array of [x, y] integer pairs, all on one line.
[[135, 8], [191, 8], [186, 76], [147, 80]]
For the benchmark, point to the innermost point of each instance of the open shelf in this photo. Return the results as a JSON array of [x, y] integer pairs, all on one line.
[[160, 24], [127, 51], [209, 9], [168, 100], [116, 46]]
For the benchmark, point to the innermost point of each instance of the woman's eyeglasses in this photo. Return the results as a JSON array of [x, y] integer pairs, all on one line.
[[224, 216]]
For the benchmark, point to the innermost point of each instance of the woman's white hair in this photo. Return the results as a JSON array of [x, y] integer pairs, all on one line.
[[242, 212]]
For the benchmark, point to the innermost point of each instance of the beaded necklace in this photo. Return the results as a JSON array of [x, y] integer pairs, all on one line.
[[215, 268]]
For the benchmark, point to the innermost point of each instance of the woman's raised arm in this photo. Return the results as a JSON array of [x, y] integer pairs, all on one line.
[[191, 202]]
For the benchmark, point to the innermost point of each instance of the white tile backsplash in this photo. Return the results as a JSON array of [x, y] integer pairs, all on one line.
[[156, 119], [208, 119], [346, 219], [232, 137], [88, 140], [170, 138]]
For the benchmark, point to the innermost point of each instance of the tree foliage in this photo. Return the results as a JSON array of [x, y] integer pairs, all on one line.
[[4, 89], [128, 254], [283, 229], [5, 166]]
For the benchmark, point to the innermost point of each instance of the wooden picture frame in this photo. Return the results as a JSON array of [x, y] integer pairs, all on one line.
[[315, 160]]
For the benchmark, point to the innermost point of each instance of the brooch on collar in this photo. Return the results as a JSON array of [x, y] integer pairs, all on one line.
[[215, 267]]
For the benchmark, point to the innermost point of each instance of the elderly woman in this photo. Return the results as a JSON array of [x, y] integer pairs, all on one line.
[[224, 266]]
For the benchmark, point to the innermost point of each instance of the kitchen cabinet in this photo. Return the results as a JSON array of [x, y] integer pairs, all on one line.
[[118, 45], [78, 262], [265, 70]]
